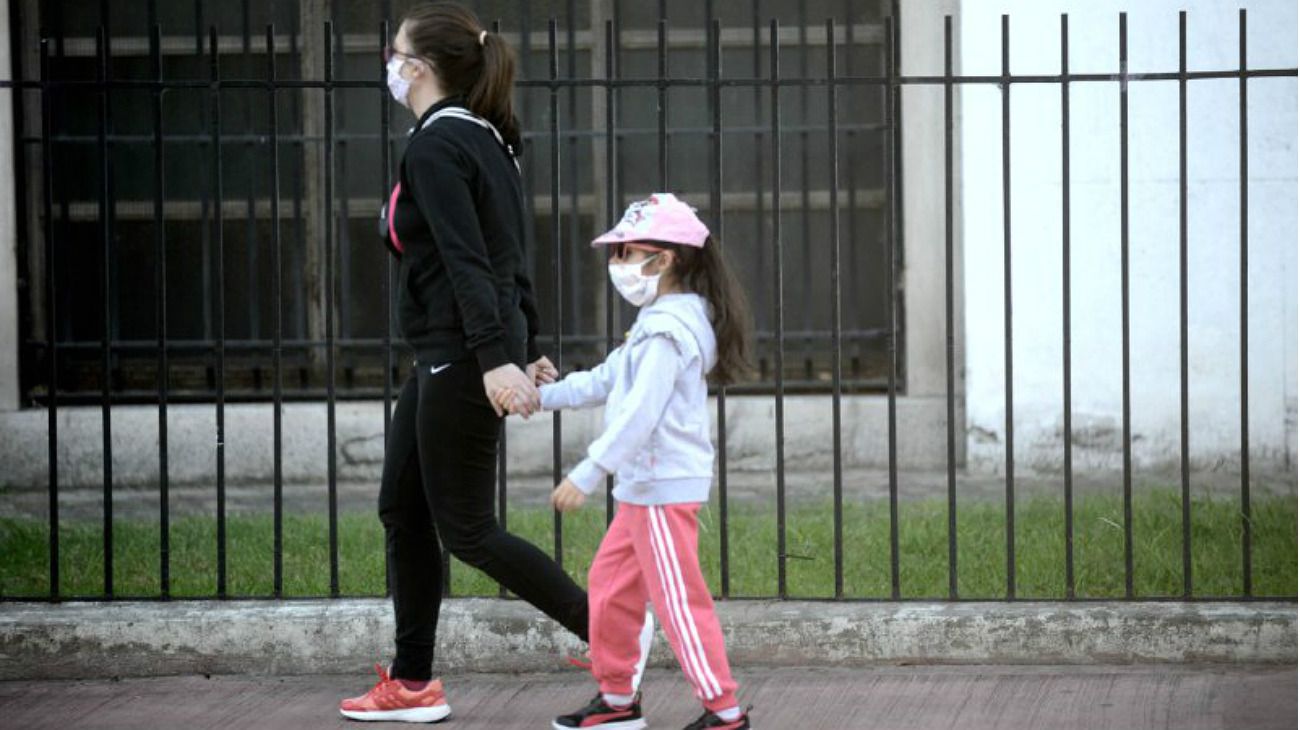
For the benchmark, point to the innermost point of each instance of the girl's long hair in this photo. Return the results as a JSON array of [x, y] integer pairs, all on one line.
[[706, 272], [447, 33]]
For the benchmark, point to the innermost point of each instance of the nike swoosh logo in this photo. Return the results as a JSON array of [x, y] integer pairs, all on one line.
[[438, 368]]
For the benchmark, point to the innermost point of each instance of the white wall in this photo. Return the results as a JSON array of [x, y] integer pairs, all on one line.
[[1153, 174]]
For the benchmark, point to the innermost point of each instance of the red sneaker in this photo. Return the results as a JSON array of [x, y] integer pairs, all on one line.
[[390, 701]]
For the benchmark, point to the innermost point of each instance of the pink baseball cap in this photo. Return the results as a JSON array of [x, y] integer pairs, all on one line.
[[660, 217]]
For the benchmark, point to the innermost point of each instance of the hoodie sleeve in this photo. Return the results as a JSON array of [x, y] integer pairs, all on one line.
[[656, 363], [440, 181], [584, 389]]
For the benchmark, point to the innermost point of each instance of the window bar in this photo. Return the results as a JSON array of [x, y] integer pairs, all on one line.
[[1065, 306], [557, 272], [51, 308], [330, 334], [715, 204], [252, 293], [1184, 462], [661, 90], [1244, 279], [1006, 306], [277, 345], [576, 290], [344, 238], [160, 314], [805, 212], [219, 307], [892, 91], [836, 318], [106, 282], [760, 180], [386, 180], [779, 288], [949, 343], [1124, 305]]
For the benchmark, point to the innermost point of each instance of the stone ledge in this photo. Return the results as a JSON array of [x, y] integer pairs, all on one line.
[[81, 640]]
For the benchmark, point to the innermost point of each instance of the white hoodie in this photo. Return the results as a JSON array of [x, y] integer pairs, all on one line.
[[656, 437]]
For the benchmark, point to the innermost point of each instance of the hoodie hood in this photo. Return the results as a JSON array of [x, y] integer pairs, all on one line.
[[691, 312]]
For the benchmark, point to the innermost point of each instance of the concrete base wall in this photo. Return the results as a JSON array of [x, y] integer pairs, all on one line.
[[39, 641], [192, 440]]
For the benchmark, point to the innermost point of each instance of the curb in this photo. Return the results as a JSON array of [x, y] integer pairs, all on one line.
[[128, 639]]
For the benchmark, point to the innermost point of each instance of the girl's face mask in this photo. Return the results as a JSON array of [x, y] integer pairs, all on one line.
[[637, 288]]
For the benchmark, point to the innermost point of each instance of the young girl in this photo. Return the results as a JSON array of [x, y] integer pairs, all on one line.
[[693, 325]]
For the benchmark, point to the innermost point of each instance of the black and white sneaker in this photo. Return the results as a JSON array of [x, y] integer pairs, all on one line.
[[599, 714], [711, 721]]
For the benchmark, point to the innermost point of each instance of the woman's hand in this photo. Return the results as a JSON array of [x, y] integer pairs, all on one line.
[[542, 372], [510, 385], [567, 497]]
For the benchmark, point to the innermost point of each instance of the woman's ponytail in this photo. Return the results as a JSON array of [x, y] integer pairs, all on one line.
[[491, 95]]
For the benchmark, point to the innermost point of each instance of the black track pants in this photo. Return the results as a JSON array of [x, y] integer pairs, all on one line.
[[439, 482]]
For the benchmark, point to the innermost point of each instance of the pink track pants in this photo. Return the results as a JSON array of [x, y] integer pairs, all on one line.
[[652, 553]]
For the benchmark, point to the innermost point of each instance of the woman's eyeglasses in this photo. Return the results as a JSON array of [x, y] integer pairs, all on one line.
[[390, 53]]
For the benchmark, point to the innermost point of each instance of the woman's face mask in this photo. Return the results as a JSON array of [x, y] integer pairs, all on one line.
[[637, 288], [399, 87]]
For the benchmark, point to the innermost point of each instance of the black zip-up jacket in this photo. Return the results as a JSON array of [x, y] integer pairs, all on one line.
[[460, 218]]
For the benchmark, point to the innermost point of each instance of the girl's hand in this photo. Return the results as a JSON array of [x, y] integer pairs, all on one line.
[[543, 372], [567, 497]]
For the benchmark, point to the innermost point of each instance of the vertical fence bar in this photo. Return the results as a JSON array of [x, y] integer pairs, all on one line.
[[106, 282], [502, 452], [51, 309], [715, 203], [1065, 307], [277, 328], [1243, 276], [779, 289], [611, 208], [330, 324], [219, 308], [833, 152], [1124, 305], [557, 271], [1006, 307], [949, 341], [1184, 465], [160, 314], [892, 91]]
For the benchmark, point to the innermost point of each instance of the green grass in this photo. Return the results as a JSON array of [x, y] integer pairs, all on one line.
[[923, 525]]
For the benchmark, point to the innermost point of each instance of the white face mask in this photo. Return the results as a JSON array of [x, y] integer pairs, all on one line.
[[399, 87], [638, 288]]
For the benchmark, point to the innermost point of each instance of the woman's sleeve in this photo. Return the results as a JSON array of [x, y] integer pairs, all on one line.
[[439, 174], [528, 303]]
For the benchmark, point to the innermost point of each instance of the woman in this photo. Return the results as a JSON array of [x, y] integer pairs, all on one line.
[[456, 219]]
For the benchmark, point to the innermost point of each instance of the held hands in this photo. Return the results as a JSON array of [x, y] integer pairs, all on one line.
[[510, 390], [567, 497], [510, 399]]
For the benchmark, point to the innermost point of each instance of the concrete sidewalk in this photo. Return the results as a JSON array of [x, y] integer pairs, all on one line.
[[877, 698]]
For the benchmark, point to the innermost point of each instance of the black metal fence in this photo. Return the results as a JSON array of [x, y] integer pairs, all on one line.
[[768, 191]]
